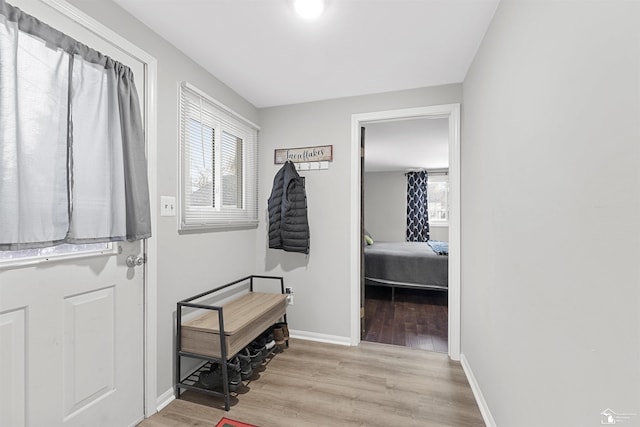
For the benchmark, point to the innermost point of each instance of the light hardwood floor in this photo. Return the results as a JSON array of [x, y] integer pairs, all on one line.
[[317, 384]]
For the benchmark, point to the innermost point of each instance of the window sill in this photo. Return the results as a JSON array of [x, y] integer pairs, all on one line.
[[438, 224], [203, 228], [9, 264]]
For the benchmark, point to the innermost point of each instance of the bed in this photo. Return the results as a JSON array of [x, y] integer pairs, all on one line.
[[405, 265]]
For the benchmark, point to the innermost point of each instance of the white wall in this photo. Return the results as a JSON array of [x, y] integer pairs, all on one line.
[[439, 233], [550, 321], [385, 205], [188, 263], [321, 280]]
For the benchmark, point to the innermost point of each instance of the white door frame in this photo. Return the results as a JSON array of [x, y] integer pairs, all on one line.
[[448, 111], [150, 246]]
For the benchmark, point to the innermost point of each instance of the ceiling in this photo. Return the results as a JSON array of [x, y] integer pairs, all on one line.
[[270, 56], [400, 145]]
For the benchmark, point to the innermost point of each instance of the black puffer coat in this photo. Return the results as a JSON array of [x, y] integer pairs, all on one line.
[[288, 224]]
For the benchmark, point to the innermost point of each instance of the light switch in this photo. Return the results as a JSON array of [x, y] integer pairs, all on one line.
[[167, 206]]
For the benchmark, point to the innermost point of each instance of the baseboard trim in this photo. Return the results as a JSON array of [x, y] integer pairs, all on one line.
[[477, 393], [314, 336], [165, 398]]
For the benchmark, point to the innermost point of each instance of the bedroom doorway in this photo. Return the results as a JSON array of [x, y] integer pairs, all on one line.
[[406, 281], [408, 302]]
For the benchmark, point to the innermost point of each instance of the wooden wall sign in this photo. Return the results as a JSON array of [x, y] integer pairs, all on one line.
[[305, 154]]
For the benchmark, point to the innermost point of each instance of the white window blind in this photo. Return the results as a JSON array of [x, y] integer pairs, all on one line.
[[219, 167]]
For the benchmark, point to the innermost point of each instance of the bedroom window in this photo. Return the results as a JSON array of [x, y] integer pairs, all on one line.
[[438, 199], [218, 150]]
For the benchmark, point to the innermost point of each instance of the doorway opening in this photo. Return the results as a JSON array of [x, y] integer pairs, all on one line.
[[451, 113], [405, 211]]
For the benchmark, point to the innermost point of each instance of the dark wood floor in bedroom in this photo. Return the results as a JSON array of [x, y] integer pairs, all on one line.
[[417, 319]]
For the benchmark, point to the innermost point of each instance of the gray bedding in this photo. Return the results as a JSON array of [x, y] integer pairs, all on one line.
[[405, 264]]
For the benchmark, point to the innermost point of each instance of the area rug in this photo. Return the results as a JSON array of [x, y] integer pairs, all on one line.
[[226, 422]]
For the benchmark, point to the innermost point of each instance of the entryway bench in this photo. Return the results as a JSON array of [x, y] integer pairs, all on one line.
[[221, 331]]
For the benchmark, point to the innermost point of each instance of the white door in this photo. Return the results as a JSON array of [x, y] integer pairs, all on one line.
[[71, 331]]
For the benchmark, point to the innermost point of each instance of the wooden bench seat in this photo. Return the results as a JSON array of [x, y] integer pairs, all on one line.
[[244, 319]]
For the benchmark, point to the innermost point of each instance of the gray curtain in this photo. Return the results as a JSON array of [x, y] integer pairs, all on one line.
[[72, 160]]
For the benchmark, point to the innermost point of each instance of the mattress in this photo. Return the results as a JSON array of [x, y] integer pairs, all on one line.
[[405, 264]]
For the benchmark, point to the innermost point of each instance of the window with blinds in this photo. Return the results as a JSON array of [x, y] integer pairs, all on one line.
[[438, 198], [218, 150]]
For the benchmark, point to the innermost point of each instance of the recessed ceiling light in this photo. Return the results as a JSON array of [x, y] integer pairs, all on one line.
[[309, 9]]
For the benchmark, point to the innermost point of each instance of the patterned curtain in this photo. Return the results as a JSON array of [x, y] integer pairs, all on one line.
[[417, 215]]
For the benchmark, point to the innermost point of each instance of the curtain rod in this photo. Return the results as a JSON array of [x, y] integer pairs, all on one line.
[[440, 171]]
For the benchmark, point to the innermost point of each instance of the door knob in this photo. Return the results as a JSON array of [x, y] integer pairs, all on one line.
[[134, 260]]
